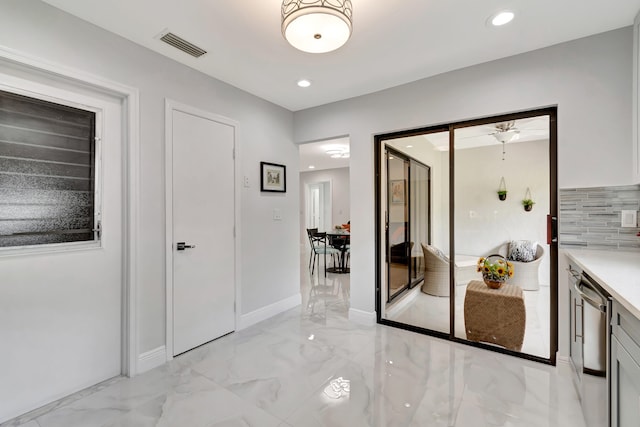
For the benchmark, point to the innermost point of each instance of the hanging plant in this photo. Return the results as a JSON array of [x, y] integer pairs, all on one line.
[[502, 189], [528, 202]]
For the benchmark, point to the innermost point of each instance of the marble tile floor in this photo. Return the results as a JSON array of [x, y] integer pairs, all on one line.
[[311, 367], [432, 312]]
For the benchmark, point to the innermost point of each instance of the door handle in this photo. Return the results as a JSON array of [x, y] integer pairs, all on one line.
[[552, 229], [181, 246], [575, 320]]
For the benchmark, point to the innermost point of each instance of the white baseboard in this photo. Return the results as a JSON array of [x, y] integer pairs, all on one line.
[[268, 311], [152, 359], [361, 317], [404, 301]]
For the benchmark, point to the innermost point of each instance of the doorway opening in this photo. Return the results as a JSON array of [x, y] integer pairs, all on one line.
[[465, 218], [325, 212]]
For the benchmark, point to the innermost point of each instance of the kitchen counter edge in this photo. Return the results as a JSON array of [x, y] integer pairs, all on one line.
[[618, 272]]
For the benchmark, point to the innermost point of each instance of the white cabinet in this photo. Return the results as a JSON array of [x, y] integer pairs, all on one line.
[[625, 368], [636, 96]]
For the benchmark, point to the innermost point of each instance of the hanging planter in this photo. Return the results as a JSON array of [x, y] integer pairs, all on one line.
[[502, 189], [528, 202]]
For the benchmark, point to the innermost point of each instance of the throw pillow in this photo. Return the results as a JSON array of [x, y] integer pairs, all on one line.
[[437, 252], [522, 250]]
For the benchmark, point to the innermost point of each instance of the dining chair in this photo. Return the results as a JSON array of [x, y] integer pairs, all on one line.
[[311, 232], [343, 244], [319, 247]]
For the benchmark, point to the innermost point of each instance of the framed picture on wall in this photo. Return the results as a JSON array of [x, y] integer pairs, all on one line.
[[397, 191], [273, 177]]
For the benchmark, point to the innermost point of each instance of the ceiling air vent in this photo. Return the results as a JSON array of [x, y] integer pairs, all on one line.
[[182, 44]]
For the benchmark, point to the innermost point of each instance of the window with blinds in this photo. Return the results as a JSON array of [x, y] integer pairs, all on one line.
[[47, 172]]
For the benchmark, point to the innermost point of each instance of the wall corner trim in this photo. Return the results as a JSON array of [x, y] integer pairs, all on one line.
[[268, 311], [361, 317], [152, 359]]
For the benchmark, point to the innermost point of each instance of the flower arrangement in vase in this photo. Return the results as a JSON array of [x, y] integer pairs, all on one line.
[[495, 270]]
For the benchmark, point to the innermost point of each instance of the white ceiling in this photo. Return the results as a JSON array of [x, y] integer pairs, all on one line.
[[393, 42], [315, 154], [420, 146], [528, 129]]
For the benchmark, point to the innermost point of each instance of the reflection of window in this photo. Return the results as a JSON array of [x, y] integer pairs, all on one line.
[[47, 172]]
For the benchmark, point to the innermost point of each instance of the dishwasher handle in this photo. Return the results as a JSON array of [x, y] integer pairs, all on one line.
[[575, 274], [600, 305]]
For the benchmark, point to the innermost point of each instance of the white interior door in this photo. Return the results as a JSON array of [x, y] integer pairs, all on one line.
[[203, 217], [61, 309], [319, 205], [314, 206]]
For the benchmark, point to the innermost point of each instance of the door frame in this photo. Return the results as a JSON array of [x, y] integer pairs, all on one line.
[[129, 97], [379, 142], [170, 107]]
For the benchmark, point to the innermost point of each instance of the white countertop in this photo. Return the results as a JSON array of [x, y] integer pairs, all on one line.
[[617, 272]]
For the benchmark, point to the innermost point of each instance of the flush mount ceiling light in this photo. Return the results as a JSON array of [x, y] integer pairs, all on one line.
[[304, 83], [501, 18], [317, 26], [338, 153]]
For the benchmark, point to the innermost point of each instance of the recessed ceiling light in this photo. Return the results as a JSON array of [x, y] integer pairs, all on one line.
[[311, 167], [502, 18], [304, 83], [409, 146]]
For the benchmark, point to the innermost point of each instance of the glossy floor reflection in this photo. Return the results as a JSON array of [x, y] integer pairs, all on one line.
[[311, 367], [431, 312]]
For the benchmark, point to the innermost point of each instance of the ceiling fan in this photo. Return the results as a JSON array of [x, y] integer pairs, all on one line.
[[506, 132], [527, 129]]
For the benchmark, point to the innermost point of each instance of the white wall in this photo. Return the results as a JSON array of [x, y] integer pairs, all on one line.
[[588, 79], [482, 221], [340, 195], [268, 276]]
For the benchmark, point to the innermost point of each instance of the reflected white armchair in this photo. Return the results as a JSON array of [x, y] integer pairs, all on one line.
[[436, 272]]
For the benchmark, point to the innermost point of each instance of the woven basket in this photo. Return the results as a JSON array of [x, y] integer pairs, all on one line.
[[492, 282]]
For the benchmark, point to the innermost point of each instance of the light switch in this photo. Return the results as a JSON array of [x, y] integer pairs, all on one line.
[[246, 181], [277, 215], [629, 218]]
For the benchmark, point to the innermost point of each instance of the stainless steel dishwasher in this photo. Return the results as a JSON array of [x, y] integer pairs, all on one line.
[[593, 312]]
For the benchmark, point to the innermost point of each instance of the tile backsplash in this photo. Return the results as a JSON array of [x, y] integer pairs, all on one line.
[[590, 218]]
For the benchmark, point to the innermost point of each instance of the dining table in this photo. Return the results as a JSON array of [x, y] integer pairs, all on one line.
[[340, 239]]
